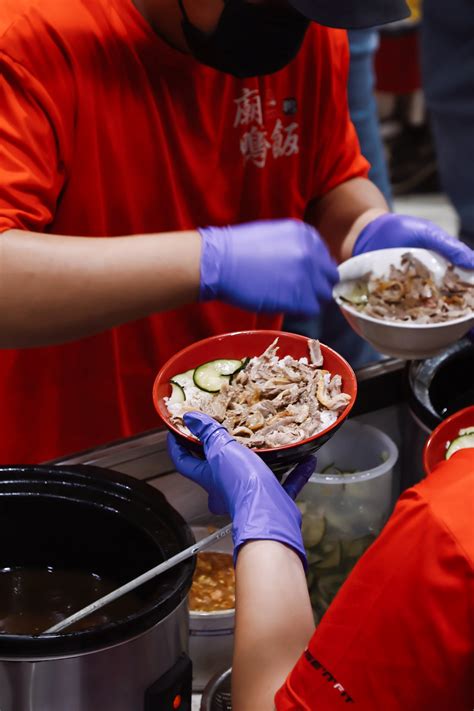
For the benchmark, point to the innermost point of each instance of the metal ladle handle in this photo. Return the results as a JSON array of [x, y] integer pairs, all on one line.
[[143, 578]]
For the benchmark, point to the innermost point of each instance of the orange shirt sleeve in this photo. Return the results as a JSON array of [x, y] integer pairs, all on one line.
[[398, 636], [35, 137], [339, 158]]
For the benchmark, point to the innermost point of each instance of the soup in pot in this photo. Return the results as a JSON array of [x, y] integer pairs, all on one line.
[[34, 599]]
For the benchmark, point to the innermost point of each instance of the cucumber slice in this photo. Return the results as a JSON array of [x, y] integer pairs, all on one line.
[[303, 507], [357, 546], [462, 442], [177, 394], [466, 430], [332, 559], [332, 470], [312, 557], [212, 375], [184, 379], [313, 529]]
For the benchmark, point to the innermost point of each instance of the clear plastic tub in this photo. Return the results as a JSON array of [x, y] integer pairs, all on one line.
[[345, 505]]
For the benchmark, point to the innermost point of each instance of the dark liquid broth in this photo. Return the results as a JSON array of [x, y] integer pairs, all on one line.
[[32, 599]]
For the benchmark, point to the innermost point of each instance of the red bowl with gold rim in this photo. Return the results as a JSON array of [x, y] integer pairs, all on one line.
[[435, 448], [244, 344]]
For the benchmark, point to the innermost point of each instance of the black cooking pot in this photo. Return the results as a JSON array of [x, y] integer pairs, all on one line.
[[90, 519], [441, 385]]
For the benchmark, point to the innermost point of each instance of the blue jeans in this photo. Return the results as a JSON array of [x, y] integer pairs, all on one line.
[[363, 107], [448, 80], [331, 327]]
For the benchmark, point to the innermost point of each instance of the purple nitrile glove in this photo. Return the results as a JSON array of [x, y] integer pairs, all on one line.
[[269, 265], [392, 230], [240, 483]]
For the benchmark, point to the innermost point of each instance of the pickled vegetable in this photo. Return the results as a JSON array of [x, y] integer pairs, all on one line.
[[313, 529], [330, 559]]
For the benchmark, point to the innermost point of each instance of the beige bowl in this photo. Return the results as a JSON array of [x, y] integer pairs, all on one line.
[[410, 341]]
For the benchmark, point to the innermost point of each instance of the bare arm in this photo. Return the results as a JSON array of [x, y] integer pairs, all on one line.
[[274, 622], [343, 212], [54, 288]]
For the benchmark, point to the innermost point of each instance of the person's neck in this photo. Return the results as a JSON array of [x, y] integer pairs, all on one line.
[[165, 18]]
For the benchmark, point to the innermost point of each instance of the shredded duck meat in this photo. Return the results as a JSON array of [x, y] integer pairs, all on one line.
[[410, 293], [272, 402]]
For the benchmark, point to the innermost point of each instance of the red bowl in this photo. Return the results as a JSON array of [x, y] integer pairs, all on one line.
[[435, 448], [252, 343]]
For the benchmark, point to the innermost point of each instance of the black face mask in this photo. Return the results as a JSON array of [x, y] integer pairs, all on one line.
[[250, 40]]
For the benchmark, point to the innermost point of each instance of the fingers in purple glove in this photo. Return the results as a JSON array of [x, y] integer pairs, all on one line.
[[187, 464], [269, 265], [198, 470], [300, 475], [207, 430], [392, 230], [240, 483], [324, 274]]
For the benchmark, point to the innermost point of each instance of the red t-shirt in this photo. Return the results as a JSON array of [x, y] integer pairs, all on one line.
[[399, 635], [106, 130]]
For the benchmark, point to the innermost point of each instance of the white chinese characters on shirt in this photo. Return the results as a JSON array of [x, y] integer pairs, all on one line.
[[256, 142]]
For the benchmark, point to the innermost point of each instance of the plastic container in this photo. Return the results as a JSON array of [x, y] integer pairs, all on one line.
[[344, 512], [211, 634]]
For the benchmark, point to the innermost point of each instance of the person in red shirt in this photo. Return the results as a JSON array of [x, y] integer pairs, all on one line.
[[142, 121], [398, 635]]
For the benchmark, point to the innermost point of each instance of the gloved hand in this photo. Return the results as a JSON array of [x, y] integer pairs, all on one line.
[[270, 265], [403, 231], [240, 483]]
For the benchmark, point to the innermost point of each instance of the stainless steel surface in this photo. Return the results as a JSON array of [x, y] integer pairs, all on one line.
[[112, 679], [217, 694], [379, 368], [143, 456], [141, 579]]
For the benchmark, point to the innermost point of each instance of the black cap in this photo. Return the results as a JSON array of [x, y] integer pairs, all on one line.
[[352, 14]]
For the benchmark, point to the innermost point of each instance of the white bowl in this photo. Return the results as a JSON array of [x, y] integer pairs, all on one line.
[[401, 339]]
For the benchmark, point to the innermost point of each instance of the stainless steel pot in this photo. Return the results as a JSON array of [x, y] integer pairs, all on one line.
[[84, 517], [115, 678]]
